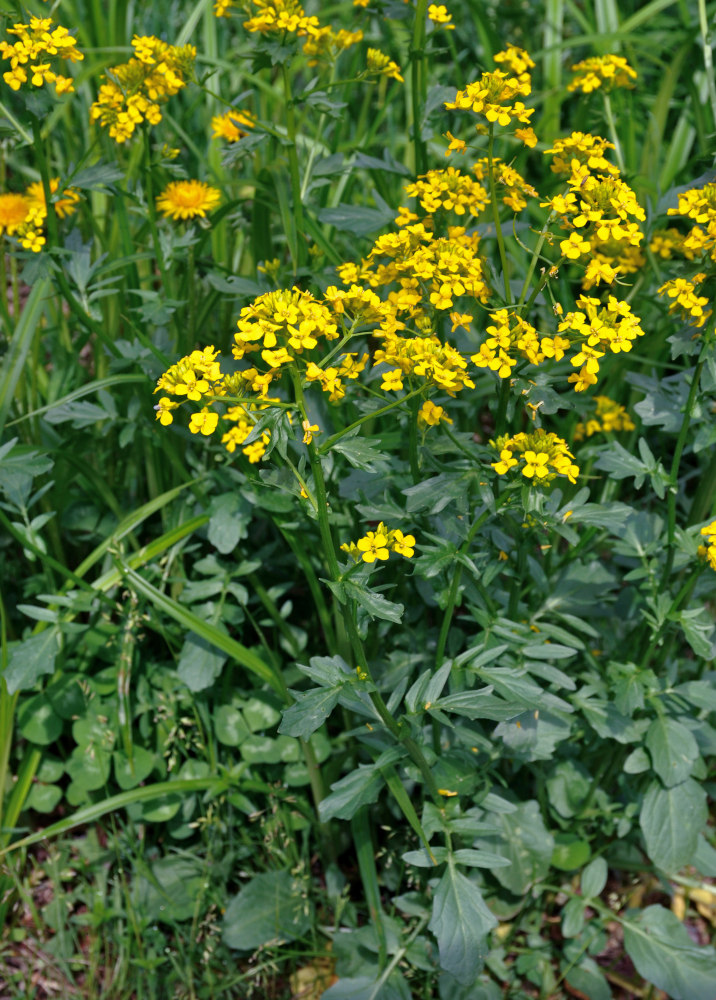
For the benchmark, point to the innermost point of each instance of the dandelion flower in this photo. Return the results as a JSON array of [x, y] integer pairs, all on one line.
[[13, 212], [187, 200]]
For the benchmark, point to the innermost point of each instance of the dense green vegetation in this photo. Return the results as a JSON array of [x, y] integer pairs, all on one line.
[[357, 499]]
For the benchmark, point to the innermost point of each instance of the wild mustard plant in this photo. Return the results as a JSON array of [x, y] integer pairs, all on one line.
[[522, 699]]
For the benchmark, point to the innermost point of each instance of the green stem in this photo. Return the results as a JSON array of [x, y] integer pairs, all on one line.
[[705, 30], [53, 242], [676, 461], [680, 598], [398, 731], [533, 261], [329, 442], [612, 130], [419, 84], [455, 584], [413, 441], [702, 504], [293, 168], [496, 213]]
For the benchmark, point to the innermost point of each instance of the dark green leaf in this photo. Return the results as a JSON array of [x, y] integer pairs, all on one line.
[[673, 750], [200, 663], [663, 953], [272, 907], [671, 820], [30, 659], [461, 922], [310, 711]]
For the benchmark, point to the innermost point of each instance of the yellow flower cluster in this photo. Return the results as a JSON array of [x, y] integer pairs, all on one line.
[[609, 259], [515, 191], [450, 190], [38, 48], [379, 64], [326, 44], [279, 16], [539, 456], [600, 328], [709, 551], [699, 204], [447, 268], [493, 95], [608, 417], [135, 90], [379, 544], [183, 200], [599, 204], [23, 215], [666, 243], [430, 415], [588, 150], [601, 71], [428, 358], [232, 125], [512, 337], [687, 303]]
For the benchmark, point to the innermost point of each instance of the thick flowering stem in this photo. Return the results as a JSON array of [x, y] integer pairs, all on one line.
[[533, 261], [53, 241], [496, 213], [418, 84], [613, 134], [457, 577], [413, 441], [676, 461], [293, 168], [397, 729]]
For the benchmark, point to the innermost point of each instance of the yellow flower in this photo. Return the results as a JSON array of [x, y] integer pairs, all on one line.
[[187, 200], [379, 64], [309, 430], [431, 415], [14, 209], [232, 125], [374, 545], [607, 71], [164, 408], [404, 545], [205, 422], [63, 206], [456, 145], [438, 15], [392, 381]]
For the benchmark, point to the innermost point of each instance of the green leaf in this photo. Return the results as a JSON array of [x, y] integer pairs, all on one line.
[[570, 852], [131, 772], [673, 750], [328, 671], [375, 604], [698, 629], [360, 788], [169, 890], [37, 720], [271, 907], [356, 219], [663, 953], [30, 659], [594, 877], [311, 710], [200, 663], [671, 820], [361, 454], [229, 520], [461, 922], [589, 980], [43, 798], [229, 726], [482, 704], [525, 842]]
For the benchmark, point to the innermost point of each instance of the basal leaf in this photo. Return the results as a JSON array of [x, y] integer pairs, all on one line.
[[671, 820], [664, 954], [461, 922], [30, 659], [310, 711]]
